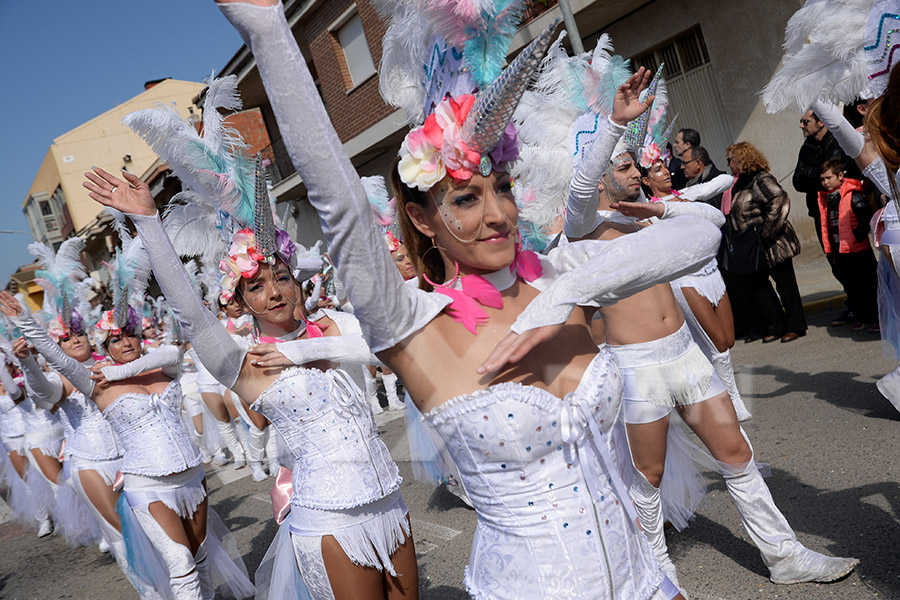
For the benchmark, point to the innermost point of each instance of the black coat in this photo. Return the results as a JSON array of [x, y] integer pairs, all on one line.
[[813, 154], [677, 173]]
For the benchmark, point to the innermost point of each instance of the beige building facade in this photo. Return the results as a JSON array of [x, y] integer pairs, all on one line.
[[57, 205]]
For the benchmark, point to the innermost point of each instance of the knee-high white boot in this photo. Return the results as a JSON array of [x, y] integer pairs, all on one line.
[[788, 560], [183, 577], [272, 451], [649, 509], [256, 439], [226, 430], [372, 391], [390, 388], [721, 362], [118, 551], [889, 386], [203, 570]]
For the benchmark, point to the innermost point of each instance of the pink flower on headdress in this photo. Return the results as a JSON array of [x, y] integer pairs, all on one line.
[[55, 329], [450, 115], [243, 259], [105, 327], [420, 162], [392, 242]]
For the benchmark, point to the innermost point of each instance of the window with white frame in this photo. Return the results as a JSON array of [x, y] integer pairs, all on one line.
[[352, 39]]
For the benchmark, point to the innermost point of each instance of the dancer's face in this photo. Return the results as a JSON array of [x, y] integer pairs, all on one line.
[[76, 346], [658, 179], [273, 296], [233, 308], [403, 263], [151, 333], [123, 348], [473, 223], [623, 180]]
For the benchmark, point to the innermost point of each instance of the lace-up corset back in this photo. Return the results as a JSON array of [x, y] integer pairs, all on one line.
[[92, 437], [339, 460], [151, 434], [526, 464], [11, 422]]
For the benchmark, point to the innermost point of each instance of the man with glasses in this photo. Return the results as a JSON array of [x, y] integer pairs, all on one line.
[[684, 140], [698, 168], [820, 146]]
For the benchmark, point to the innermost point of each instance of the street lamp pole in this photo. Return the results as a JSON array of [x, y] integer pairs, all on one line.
[[571, 27]]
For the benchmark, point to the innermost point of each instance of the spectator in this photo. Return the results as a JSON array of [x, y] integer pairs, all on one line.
[[845, 216], [698, 168], [758, 207], [818, 147], [684, 139]]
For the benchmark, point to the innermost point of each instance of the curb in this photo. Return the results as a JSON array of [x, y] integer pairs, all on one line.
[[815, 307]]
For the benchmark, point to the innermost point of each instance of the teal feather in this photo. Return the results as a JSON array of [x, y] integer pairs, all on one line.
[[488, 40]]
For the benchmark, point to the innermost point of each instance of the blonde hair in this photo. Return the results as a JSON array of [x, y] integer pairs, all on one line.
[[747, 158]]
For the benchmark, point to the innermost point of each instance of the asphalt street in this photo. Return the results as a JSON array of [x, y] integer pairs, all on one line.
[[832, 441]]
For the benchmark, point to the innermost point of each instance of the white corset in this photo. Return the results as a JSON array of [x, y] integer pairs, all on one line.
[[11, 422], [92, 436], [151, 434], [339, 460], [549, 522]]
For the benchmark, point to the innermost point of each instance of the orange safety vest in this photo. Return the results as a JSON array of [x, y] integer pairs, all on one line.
[[847, 221]]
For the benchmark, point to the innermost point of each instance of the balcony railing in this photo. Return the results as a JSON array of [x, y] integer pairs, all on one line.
[[535, 8], [280, 166]]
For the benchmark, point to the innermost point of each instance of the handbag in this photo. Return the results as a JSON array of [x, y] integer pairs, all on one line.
[[740, 251]]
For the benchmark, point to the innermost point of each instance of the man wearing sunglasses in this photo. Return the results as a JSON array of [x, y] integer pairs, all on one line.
[[818, 147]]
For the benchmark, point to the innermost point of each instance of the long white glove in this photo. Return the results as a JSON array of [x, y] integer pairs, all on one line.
[[45, 389], [705, 191], [694, 209], [612, 270], [166, 357], [350, 349], [357, 248], [222, 356], [876, 172], [313, 299], [850, 140], [77, 374], [9, 384], [581, 206]]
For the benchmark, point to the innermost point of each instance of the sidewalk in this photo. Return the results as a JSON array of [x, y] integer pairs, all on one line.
[[821, 292]]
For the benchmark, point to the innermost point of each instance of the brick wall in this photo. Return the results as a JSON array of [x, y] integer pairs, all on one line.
[[352, 112], [252, 127]]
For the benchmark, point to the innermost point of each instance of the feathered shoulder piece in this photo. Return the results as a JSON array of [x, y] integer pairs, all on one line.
[[560, 114], [836, 50]]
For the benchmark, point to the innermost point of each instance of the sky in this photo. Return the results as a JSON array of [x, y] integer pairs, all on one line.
[[67, 62]]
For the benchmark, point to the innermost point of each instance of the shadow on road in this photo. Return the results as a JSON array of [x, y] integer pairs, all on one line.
[[839, 388]]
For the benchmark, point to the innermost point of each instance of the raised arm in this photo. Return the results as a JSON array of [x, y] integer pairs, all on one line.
[[373, 284], [77, 374], [45, 389], [581, 206], [220, 353], [166, 357]]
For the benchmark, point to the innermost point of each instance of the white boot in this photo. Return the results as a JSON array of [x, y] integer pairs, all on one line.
[[226, 429], [889, 386], [256, 439], [390, 388], [45, 526], [272, 451], [372, 391], [721, 362], [183, 577], [103, 546], [118, 551], [649, 509], [204, 571], [788, 560]]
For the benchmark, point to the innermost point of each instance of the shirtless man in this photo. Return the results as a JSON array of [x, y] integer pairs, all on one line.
[[663, 369]]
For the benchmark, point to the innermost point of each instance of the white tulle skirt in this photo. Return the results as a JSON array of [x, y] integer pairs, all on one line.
[[73, 516], [18, 496]]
